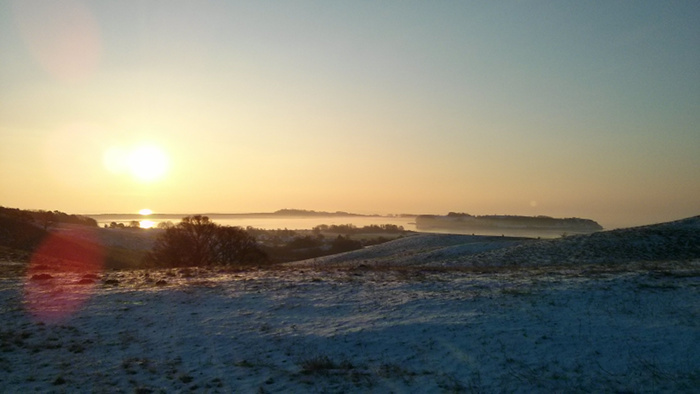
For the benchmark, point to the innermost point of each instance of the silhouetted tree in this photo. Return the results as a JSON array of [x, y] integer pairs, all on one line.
[[233, 245], [197, 241], [165, 225], [47, 219]]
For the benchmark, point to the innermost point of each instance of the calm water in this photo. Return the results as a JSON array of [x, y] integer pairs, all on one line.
[[266, 222]]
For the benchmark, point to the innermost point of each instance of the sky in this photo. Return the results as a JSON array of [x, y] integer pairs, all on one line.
[[559, 108]]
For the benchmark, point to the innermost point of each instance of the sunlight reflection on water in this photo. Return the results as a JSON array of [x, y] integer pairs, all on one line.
[[147, 224]]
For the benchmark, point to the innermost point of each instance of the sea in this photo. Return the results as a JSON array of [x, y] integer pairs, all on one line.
[[263, 221], [274, 222]]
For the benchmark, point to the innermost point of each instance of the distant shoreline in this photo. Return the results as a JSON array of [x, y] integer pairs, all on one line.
[[510, 223], [453, 223], [276, 214]]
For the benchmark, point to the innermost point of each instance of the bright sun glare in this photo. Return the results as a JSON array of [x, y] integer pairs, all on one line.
[[145, 212], [147, 224], [145, 163]]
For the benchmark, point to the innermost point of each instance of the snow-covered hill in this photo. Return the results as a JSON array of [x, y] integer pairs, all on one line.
[[415, 250], [678, 240]]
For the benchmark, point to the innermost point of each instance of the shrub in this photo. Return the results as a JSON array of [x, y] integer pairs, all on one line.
[[343, 244], [304, 243], [197, 241]]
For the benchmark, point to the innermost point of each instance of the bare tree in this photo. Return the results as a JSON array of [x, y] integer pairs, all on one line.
[[197, 241]]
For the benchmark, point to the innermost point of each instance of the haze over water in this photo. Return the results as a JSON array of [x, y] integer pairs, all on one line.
[[268, 222]]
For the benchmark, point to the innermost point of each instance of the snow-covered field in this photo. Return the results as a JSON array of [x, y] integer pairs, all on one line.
[[678, 240], [622, 326]]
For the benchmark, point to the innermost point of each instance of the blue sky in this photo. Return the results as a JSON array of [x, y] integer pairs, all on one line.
[[582, 109]]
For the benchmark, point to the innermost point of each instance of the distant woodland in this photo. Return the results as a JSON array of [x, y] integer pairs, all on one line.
[[24, 229], [464, 221], [291, 245], [23, 234], [46, 218]]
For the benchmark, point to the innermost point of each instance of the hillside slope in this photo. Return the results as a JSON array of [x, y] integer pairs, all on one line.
[[678, 240], [416, 250]]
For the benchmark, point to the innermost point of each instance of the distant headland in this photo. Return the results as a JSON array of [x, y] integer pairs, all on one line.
[[467, 222]]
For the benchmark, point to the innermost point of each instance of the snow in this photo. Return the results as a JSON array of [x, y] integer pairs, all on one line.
[[426, 313], [679, 240], [303, 330], [415, 250]]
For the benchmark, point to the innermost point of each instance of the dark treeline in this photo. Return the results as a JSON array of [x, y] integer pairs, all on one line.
[[454, 220], [133, 225], [46, 219], [24, 230], [25, 234], [351, 229]]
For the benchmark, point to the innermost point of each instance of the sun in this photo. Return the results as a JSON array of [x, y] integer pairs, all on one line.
[[147, 163], [145, 212]]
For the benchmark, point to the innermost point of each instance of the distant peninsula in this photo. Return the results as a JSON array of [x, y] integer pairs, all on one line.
[[304, 212], [286, 212], [466, 222]]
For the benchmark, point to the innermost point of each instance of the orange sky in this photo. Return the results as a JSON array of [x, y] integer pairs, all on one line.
[[564, 109]]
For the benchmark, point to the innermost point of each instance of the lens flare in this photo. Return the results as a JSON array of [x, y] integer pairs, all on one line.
[[62, 275], [64, 37]]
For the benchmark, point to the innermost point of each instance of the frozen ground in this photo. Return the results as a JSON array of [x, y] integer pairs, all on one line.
[[678, 240], [611, 312], [590, 329]]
